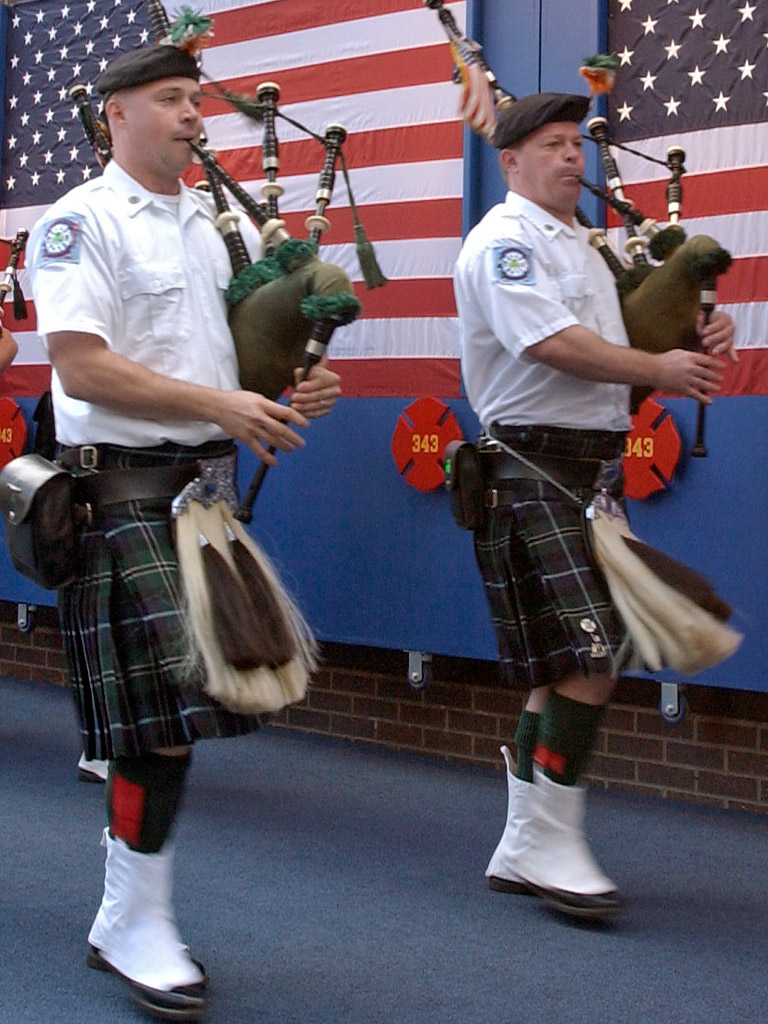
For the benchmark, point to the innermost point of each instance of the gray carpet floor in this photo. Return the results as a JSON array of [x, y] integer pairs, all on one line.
[[324, 882]]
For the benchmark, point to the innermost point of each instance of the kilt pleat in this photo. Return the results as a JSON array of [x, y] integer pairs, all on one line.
[[136, 688], [550, 605]]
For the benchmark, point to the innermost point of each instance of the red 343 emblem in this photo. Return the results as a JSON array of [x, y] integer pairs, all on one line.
[[13, 431], [419, 441], [651, 450]]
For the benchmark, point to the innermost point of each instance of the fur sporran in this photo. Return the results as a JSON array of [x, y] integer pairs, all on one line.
[[256, 649], [673, 616]]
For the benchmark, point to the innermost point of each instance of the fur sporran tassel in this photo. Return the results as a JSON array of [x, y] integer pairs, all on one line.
[[668, 628], [681, 578], [270, 685], [235, 620], [279, 642]]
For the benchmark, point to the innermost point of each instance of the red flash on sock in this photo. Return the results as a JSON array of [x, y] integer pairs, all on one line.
[[127, 810], [549, 759]]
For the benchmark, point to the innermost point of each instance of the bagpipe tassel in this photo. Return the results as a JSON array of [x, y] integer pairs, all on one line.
[[373, 275], [19, 305], [255, 647], [673, 616], [366, 257]]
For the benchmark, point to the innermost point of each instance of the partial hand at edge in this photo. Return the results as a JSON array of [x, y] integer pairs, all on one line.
[[693, 374], [260, 423], [317, 395], [717, 335]]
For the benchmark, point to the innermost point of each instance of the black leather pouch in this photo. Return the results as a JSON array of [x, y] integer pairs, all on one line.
[[37, 499], [464, 482]]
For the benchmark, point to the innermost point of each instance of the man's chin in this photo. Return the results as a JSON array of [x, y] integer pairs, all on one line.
[[570, 195]]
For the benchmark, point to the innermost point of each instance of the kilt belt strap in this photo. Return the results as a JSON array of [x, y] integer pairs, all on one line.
[[564, 473], [111, 487]]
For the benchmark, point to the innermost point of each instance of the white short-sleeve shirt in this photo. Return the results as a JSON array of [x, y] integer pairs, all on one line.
[[521, 277], [147, 274]]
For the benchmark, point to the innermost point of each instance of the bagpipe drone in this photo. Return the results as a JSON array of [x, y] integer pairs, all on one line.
[[10, 280], [673, 616], [255, 647]]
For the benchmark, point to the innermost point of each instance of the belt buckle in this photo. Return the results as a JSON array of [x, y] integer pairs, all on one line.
[[88, 456]]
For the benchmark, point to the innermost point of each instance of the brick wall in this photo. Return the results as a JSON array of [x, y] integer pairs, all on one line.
[[36, 655], [717, 755]]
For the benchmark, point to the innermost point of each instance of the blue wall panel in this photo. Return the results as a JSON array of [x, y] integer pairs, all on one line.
[[532, 46], [371, 560], [509, 34], [375, 562]]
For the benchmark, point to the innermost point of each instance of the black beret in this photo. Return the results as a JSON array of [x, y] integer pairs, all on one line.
[[149, 64], [522, 117]]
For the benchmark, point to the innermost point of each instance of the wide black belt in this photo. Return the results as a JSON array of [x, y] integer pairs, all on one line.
[[97, 491], [567, 472]]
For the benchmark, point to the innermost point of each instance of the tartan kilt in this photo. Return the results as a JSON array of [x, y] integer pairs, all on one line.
[[136, 686], [550, 605]]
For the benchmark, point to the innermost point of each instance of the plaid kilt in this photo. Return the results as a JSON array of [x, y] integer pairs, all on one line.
[[136, 688], [550, 605]]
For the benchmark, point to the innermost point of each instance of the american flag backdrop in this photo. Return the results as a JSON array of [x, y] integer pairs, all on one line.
[[50, 47], [694, 73], [382, 68]]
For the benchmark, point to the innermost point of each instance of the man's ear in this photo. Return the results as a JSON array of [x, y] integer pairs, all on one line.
[[508, 160], [113, 109]]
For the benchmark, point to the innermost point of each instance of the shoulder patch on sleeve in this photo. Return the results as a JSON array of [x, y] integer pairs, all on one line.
[[513, 264], [62, 239]]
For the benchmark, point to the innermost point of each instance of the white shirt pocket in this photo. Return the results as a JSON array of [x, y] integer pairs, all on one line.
[[575, 291], [153, 292], [152, 296]]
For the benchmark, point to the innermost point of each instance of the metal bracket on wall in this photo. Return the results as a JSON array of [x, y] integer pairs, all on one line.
[[672, 705], [25, 617], [419, 669]]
